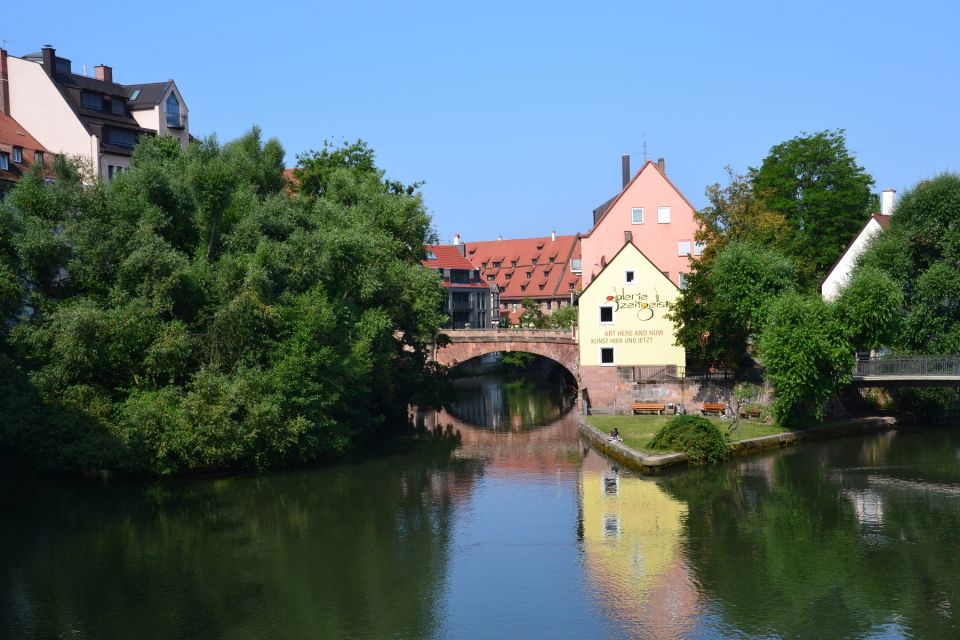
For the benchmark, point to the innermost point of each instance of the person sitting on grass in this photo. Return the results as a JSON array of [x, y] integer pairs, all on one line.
[[615, 436]]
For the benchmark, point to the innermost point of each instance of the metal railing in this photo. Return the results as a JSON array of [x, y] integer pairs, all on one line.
[[669, 372], [909, 366]]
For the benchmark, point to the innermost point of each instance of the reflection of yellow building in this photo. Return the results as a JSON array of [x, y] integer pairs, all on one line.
[[633, 535]]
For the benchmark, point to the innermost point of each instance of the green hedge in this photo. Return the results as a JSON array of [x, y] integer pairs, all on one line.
[[699, 438]]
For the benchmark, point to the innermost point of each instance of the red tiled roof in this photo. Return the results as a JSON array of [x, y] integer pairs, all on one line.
[[447, 257], [524, 251], [13, 135]]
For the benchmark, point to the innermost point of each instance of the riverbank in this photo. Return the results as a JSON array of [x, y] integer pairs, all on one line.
[[657, 462]]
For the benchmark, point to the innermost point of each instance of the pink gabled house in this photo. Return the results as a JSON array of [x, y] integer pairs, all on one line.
[[658, 218]]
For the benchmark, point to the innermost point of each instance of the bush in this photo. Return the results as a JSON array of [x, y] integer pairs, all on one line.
[[699, 438]]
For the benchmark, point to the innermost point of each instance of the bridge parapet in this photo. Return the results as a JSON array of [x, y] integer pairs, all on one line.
[[510, 335], [914, 370]]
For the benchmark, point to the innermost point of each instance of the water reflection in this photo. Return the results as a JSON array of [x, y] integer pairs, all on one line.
[[534, 399], [633, 535]]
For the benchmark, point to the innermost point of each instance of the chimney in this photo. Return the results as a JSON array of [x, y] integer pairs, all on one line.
[[627, 236], [49, 60], [888, 200], [499, 237], [456, 239], [662, 166], [103, 72], [4, 84], [625, 168], [553, 236]]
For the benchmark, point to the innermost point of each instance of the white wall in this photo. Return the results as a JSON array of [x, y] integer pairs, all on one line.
[[840, 275], [37, 104]]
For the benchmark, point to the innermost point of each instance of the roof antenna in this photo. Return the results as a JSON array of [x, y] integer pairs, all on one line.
[[644, 148]]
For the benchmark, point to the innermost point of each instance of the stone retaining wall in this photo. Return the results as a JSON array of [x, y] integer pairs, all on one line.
[[645, 463]]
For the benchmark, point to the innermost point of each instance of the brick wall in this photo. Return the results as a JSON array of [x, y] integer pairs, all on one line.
[[608, 394]]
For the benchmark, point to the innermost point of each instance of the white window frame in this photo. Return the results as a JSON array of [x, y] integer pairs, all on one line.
[[613, 352], [683, 248], [698, 248], [663, 215], [18, 155], [630, 277], [613, 315], [633, 215]]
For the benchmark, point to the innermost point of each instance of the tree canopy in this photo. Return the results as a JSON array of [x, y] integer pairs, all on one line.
[[825, 197], [195, 313]]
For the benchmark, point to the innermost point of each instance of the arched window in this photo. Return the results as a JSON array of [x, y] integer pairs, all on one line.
[[174, 117]]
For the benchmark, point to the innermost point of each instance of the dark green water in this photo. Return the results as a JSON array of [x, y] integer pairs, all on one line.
[[516, 533]]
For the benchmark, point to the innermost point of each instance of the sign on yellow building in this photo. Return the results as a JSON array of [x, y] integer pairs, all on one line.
[[623, 315]]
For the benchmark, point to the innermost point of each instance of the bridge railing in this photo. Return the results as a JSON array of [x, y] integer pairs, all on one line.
[[514, 333], [909, 366]]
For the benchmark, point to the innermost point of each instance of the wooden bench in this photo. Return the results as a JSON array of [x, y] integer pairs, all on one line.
[[750, 412], [645, 407], [713, 407]]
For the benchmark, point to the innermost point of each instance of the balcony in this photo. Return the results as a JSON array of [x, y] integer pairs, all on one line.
[[176, 120]]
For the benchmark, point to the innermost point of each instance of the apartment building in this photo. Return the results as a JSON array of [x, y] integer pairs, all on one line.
[[471, 302], [93, 118], [545, 270]]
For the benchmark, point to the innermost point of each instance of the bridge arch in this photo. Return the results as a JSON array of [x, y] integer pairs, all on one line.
[[559, 346]]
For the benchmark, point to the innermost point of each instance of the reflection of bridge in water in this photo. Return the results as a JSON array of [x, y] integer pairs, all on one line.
[[908, 371]]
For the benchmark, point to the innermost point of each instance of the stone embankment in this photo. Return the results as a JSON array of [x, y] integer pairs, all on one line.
[[646, 463]]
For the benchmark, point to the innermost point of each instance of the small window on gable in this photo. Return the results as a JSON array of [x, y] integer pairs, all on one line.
[[698, 248], [174, 116], [606, 356], [636, 215], [17, 154], [683, 248], [606, 314], [663, 215], [630, 276]]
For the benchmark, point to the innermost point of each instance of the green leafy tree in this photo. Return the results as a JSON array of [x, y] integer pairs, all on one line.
[[806, 350], [723, 308], [197, 314], [563, 318], [532, 317], [824, 195]]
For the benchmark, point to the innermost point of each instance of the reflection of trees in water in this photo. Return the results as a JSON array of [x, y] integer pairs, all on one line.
[[536, 398], [810, 544], [357, 551]]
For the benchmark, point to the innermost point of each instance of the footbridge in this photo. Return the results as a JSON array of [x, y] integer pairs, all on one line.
[[559, 345], [908, 371]]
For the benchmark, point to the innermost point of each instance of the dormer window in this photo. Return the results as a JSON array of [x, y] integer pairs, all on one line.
[[496, 265], [116, 106], [17, 154], [121, 137], [91, 101], [174, 116], [431, 255]]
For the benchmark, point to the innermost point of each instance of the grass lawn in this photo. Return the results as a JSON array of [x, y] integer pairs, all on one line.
[[637, 431]]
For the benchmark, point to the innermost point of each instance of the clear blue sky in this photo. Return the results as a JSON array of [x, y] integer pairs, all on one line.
[[516, 114]]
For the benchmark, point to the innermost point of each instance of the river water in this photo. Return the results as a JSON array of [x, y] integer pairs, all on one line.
[[504, 527]]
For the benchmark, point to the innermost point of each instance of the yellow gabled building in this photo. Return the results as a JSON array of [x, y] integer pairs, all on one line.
[[623, 323]]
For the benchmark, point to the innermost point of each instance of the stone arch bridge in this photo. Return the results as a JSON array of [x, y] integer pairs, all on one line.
[[559, 345]]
